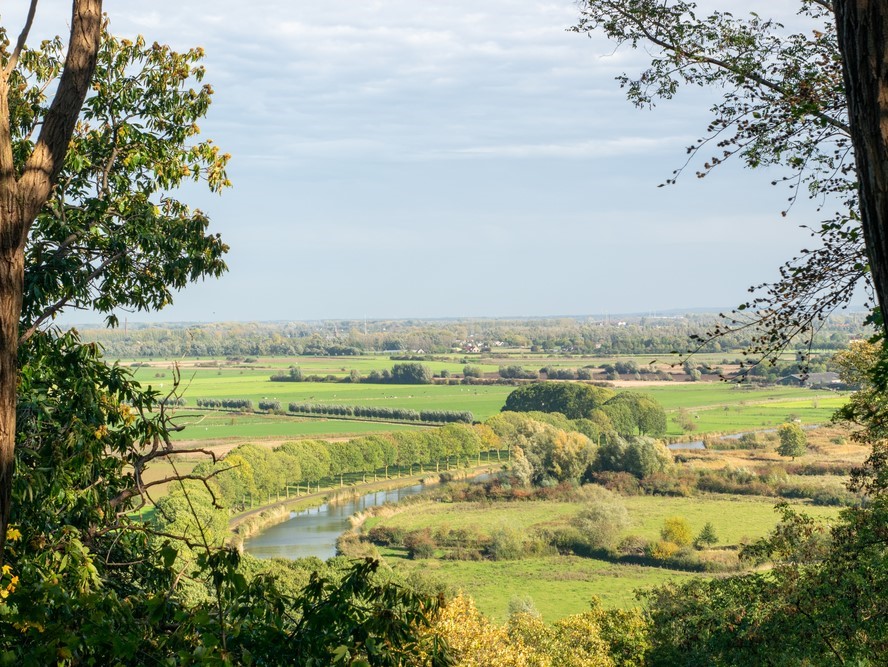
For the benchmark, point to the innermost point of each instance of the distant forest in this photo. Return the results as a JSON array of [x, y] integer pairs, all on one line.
[[580, 336]]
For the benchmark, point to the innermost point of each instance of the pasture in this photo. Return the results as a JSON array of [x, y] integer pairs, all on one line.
[[563, 585], [558, 585], [713, 406]]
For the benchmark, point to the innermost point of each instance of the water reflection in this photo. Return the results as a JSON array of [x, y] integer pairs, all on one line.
[[313, 532]]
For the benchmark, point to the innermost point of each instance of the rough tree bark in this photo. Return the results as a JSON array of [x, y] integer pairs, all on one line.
[[21, 198], [862, 27]]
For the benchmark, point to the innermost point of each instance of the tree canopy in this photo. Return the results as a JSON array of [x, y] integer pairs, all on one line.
[[783, 104], [573, 400]]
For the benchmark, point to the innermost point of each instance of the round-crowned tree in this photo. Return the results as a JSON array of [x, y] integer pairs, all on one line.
[[574, 401]]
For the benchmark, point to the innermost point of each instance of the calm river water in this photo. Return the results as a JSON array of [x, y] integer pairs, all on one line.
[[313, 532]]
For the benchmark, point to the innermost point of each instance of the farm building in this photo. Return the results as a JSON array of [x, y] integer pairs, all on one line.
[[814, 380]]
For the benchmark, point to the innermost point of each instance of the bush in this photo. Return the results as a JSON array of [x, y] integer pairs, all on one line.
[[522, 604], [669, 484], [506, 544], [619, 482], [516, 373], [602, 520], [386, 536], [662, 550], [633, 545], [420, 544], [677, 530]]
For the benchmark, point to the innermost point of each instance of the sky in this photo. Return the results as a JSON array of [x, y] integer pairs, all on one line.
[[397, 159]]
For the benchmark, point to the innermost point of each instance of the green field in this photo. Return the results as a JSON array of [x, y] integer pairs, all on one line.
[[563, 585], [559, 585], [735, 518], [714, 406], [215, 425]]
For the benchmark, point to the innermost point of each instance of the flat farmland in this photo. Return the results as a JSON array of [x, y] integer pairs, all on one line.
[[338, 366], [719, 394], [558, 585], [222, 425], [724, 408], [714, 406], [254, 384], [562, 585]]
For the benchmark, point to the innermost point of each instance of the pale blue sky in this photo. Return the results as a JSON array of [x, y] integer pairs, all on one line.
[[460, 158]]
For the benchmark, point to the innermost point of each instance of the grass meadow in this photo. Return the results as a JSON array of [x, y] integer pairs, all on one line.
[[563, 585], [713, 406], [559, 585]]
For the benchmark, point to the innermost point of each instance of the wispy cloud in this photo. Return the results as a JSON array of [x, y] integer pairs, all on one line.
[[582, 149]]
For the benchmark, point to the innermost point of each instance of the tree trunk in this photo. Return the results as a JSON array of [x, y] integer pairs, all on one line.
[[11, 286], [21, 200], [862, 27]]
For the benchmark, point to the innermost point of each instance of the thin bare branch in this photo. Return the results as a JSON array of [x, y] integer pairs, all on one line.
[[141, 488], [20, 42], [695, 55]]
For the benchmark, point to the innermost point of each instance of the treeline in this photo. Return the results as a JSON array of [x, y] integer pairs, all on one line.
[[592, 336], [225, 403], [250, 474], [381, 412], [553, 373], [406, 373], [174, 401]]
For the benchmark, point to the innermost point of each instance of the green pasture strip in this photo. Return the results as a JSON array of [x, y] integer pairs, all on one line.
[[719, 407], [483, 517], [755, 416], [209, 425], [559, 585], [482, 401], [715, 394], [339, 366], [736, 519]]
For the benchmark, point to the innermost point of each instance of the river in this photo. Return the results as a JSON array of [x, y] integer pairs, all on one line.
[[313, 532]]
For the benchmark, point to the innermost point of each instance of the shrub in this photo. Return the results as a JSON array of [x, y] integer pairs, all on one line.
[[507, 544], [619, 482], [386, 536], [633, 545], [564, 539], [602, 520], [419, 544], [677, 530], [516, 372], [522, 604], [707, 536], [472, 371], [662, 550], [663, 484]]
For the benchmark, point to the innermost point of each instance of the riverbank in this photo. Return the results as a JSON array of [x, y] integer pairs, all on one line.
[[253, 522]]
